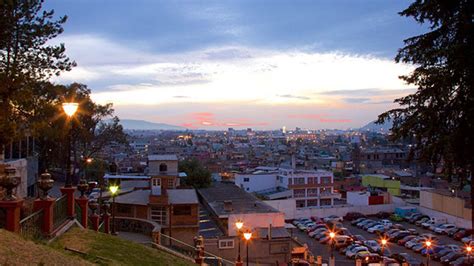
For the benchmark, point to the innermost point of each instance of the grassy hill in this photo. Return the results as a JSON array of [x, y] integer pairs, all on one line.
[[14, 250], [109, 250]]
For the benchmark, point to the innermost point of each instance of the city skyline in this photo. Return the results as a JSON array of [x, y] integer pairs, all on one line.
[[214, 65]]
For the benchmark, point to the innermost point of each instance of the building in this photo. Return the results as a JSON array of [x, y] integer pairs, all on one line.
[[227, 204], [157, 198], [383, 183], [447, 205], [310, 188]]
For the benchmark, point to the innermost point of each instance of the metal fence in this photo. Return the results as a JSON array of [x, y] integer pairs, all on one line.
[[60, 211], [31, 226], [78, 211]]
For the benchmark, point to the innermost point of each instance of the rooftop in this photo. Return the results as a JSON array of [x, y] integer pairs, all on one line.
[[238, 201], [136, 197], [182, 196]]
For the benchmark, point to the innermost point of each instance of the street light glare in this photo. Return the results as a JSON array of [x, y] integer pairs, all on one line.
[[113, 189], [70, 108], [469, 249], [332, 234], [239, 224], [384, 241], [247, 235], [428, 243]]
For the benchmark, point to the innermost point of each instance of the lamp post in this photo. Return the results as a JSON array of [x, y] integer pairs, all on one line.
[[468, 249], [70, 109], [332, 235], [383, 243], [239, 224], [113, 189], [247, 236], [87, 162], [428, 246]]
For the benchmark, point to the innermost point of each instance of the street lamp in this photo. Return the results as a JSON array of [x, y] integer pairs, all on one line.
[[247, 236], [332, 235], [70, 109], [113, 189], [428, 246], [239, 224], [383, 243], [468, 249]]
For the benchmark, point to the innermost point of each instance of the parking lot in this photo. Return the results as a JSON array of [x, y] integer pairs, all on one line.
[[324, 250]]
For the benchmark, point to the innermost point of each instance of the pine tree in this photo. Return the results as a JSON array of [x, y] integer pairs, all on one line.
[[439, 116]]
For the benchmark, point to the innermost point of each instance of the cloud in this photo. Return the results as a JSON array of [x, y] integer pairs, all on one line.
[[367, 92], [289, 96], [181, 97], [356, 100], [323, 118]]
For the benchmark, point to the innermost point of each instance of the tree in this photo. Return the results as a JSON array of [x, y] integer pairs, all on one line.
[[439, 116], [197, 175], [26, 58]]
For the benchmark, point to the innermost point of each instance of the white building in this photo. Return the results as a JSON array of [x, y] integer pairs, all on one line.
[[309, 188]]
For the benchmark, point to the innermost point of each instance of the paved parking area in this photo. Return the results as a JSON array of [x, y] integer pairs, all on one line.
[[393, 248], [324, 250]]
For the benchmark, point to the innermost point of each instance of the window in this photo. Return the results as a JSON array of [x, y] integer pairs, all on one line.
[[246, 179], [181, 210], [156, 182], [300, 204], [299, 193], [310, 180], [289, 181], [312, 203], [299, 181], [325, 202], [226, 243], [170, 182], [163, 167], [325, 180], [159, 215], [312, 192], [326, 190]]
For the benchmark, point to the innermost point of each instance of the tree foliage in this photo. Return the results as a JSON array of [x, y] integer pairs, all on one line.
[[439, 116], [26, 58], [197, 175]]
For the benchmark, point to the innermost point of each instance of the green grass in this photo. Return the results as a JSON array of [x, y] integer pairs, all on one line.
[[110, 250]]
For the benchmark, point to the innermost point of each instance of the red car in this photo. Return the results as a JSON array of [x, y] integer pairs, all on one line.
[[463, 233]]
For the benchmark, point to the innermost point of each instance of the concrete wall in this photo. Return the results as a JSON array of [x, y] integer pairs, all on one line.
[[154, 167], [287, 207], [255, 220], [256, 182], [446, 204], [358, 198]]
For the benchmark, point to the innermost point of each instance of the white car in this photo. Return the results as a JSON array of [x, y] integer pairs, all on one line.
[[443, 229], [317, 231], [352, 252], [372, 245], [379, 228], [386, 223], [428, 224], [467, 239]]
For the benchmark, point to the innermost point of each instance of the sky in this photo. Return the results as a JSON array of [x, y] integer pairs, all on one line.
[[218, 64]]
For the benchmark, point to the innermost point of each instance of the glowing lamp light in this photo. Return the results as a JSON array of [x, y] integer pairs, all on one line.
[[113, 189], [89, 160], [469, 249], [239, 225], [384, 242], [428, 244], [247, 235], [70, 108], [332, 234]]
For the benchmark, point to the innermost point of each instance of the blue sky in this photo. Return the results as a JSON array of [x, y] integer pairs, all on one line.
[[262, 64]]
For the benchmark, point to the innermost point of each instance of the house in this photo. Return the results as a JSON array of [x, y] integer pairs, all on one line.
[[176, 210]]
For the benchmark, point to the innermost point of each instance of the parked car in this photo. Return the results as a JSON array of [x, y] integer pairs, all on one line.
[[413, 242], [451, 256], [325, 239], [370, 224], [352, 252], [317, 231], [364, 222], [396, 218], [443, 229], [453, 231], [418, 247], [368, 257], [432, 251], [463, 233], [422, 220], [379, 228], [409, 216], [405, 257], [400, 235], [342, 241], [467, 239], [359, 238], [358, 220], [386, 223], [373, 246], [414, 217], [405, 239], [332, 218], [463, 261], [353, 216], [428, 224]]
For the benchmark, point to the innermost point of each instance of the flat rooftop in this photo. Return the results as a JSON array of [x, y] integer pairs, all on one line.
[[240, 202]]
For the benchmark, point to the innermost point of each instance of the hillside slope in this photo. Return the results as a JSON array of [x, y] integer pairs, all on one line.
[[14, 250]]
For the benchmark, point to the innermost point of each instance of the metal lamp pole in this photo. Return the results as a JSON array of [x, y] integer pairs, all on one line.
[[247, 236], [239, 225]]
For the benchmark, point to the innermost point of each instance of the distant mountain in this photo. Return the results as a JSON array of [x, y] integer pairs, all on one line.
[[372, 126], [147, 125]]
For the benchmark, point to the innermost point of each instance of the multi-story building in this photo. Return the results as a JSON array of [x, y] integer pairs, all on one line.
[[309, 188]]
